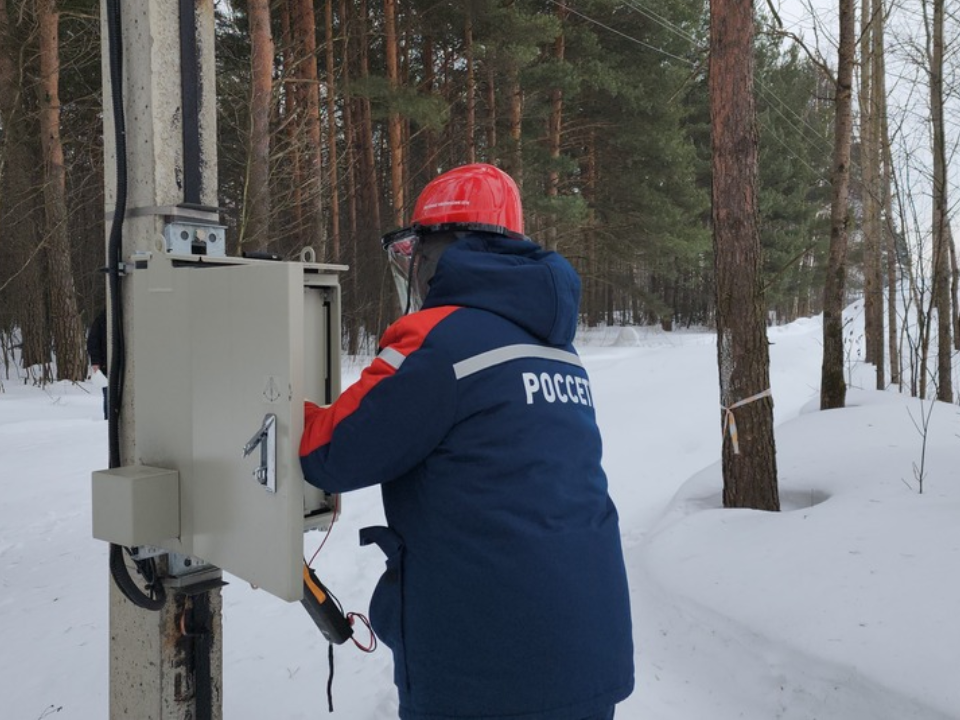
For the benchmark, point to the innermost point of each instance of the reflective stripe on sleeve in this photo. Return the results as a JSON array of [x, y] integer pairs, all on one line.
[[484, 360], [392, 357]]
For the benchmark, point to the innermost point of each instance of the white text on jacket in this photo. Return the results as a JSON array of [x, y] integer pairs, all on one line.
[[557, 387]]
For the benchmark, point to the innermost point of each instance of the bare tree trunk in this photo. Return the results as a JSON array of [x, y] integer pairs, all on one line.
[[371, 306], [291, 121], [870, 39], [405, 30], [332, 155], [554, 128], [394, 123], [591, 296], [470, 122], [954, 287], [803, 286], [515, 164], [368, 175], [833, 389], [450, 92], [491, 123], [255, 231], [351, 143], [878, 103], [941, 253], [305, 30], [429, 87], [886, 180], [749, 451], [68, 332]]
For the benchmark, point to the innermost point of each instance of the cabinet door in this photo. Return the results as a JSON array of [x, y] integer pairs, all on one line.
[[245, 513], [217, 351]]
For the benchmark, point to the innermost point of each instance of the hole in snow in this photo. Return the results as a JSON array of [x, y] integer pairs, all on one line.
[[800, 499]]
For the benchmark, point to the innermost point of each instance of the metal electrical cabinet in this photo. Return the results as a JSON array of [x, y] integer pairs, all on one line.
[[225, 353]]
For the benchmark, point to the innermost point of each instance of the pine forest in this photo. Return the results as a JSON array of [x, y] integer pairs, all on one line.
[[333, 115]]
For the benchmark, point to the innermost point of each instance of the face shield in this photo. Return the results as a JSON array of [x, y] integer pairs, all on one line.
[[413, 256], [402, 248]]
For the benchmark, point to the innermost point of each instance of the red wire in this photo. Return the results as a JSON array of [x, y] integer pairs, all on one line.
[[372, 645], [336, 514], [351, 616]]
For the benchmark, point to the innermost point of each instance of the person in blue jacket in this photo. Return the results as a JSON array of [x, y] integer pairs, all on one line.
[[505, 593], [97, 350]]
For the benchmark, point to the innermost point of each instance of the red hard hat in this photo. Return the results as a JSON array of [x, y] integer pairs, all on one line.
[[477, 195]]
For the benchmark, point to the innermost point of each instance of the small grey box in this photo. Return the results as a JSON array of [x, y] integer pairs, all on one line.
[[136, 505]]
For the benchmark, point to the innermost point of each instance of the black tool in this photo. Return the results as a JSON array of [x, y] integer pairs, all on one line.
[[323, 609]]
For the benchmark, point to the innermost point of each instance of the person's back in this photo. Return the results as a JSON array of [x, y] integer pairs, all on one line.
[[505, 593], [97, 351]]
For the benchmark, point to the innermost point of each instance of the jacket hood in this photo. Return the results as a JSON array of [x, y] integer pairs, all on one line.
[[534, 288]]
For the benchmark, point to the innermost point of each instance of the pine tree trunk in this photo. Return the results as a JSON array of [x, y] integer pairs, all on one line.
[[491, 122], [749, 455], [291, 122], [394, 124], [590, 294], [332, 155], [803, 286], [371, 305], [429, 87], [941, 253], [351, 322], [368, 176], [305, 30], [515, 165], [68, 332], [554, 129], [833, 389], [470, 127], [405, 31], [450, 91], [255, 232]]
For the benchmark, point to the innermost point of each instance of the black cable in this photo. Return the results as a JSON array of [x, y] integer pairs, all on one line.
[[121, 576], [118, 568], [203, 696], [330, 679], [115, 244], [190, 103]]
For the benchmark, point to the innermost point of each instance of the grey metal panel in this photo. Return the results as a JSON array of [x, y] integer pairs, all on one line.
[[245, 330], [217, 348]]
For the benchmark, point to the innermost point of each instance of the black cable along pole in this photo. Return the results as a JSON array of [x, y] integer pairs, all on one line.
[[117, 366], [190, 103], [192, 188]]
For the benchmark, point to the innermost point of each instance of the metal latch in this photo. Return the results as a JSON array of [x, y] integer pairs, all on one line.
[[266, 438]]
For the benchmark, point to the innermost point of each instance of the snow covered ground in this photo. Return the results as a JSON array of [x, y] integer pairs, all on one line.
[[844, 606]]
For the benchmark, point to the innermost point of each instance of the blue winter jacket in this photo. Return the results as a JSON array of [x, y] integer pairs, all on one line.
[[505, 594]]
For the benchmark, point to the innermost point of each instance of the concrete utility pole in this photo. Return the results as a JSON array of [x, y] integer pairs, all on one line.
[[164, 665]]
